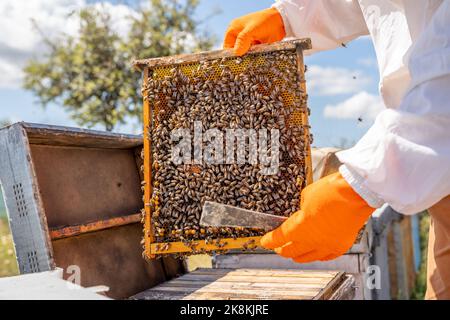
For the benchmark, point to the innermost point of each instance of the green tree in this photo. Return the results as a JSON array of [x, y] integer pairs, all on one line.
[[4, 123], [91, 74]]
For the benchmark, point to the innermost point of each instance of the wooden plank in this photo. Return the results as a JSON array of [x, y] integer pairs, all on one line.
[[80, 185], [23, 202], [148, 230], [262, 292], [68, 136], [349, 263], [261, 279], [65, 232], [408, 252], [239, 278], [251, 284], [111, 257], [346, 291], [178, 247], [307, 141], [303, 44], [280, 285], [330, 287], [155, 295], [269, 272]]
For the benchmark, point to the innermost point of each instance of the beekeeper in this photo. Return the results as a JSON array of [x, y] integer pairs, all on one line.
[[404, 158]]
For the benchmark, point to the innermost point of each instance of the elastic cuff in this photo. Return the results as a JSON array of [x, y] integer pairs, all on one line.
[[358, 184], [287, 27]]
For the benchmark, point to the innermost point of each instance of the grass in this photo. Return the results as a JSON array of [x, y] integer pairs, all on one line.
[[8, 264], [421, 280]]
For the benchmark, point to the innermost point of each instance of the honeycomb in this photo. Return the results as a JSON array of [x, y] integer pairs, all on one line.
[[176, 98]]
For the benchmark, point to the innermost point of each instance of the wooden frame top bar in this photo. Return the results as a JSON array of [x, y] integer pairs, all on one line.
[[304, 44]]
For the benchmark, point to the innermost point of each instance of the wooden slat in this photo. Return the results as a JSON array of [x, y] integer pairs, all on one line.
[[178, 247], [330, 287], [270, 281], [238, 278], [68, 136], [155, 295], [346, 290], [225, 284], [249, 284], [307, 142], [70, 231], [257, 291], [269, 272]]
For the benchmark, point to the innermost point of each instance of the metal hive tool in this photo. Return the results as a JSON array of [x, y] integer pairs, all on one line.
[[264, 88]]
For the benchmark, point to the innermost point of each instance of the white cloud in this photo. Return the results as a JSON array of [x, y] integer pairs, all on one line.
[[10, 75], [328, 81], [362, 105], [367, 62], [19, 39]]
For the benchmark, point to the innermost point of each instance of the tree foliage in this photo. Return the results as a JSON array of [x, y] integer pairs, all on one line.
[[90, 74]]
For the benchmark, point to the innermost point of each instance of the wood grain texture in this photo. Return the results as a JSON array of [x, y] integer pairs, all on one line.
[[83, 185], [70, 231], [226, 284], [64, 167], [68, 136], [303, 44], [111, 257], [23, 202]]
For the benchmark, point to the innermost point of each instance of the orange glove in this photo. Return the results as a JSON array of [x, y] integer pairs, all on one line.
[[327, 225], [264, 26]]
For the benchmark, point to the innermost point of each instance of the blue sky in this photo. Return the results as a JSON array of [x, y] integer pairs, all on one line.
[[345, 79]]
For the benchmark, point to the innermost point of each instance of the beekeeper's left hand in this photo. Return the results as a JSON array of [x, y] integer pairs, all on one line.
[[327, 225]]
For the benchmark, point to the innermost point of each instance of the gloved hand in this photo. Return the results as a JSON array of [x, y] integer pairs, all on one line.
[[327, 225], [264, 26]]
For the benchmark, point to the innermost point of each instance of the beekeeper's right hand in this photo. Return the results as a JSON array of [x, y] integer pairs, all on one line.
[[264, 26], [325, 227]]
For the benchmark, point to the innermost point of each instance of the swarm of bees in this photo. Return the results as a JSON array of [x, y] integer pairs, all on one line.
[[255, 92]]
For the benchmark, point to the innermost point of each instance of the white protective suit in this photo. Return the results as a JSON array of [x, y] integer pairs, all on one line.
[[404, 158]]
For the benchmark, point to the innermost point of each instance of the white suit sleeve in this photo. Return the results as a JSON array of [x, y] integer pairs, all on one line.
[[404, 158], [328, 23]]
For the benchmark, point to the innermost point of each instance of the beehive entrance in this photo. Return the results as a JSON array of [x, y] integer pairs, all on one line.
[[260, 96]]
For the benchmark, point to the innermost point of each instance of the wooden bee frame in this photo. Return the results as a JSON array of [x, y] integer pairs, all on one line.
[[148, 66]]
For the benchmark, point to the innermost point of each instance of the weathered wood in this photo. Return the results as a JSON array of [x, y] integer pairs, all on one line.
[[348, 263], [81, 185], [346, 291], [68, 136], [23, 202], [302, 44], [65, 232], [299, 47], [110, 257], [408, 252], [267, 272], [251, 284], [69, 180]]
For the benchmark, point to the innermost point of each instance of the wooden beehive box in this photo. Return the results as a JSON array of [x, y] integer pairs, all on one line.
[[73, 199], [262, 90], [254, 284]]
